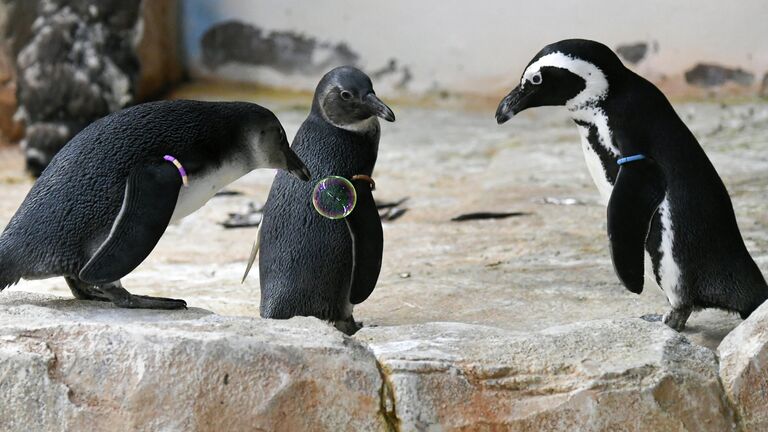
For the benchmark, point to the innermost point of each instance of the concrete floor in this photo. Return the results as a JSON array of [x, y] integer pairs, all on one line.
[[523, 273]]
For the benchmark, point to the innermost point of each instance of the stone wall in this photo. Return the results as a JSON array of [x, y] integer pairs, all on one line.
[[450, 48], [76, 61]]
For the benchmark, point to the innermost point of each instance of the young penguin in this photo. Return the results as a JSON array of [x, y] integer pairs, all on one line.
[[663, 194], [106, 198], [310, 265]]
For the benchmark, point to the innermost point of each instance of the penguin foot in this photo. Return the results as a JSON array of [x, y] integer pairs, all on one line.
[[676, 318], [651, 317], [123, 299], [83, 291], [348, 326]]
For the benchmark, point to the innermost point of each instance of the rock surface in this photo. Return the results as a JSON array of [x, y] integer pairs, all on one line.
[[601, 375], [79, 365], [519, 275], [524, 274], [77, 61], [744, 370], [11, 129], [73, 365]]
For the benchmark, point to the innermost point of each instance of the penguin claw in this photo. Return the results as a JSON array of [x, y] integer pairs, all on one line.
[[146, 302], [121, 298], [160, 302]]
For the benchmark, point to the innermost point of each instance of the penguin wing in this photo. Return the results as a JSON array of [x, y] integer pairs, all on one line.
[[364, 226], [640, 187], [150, 198]]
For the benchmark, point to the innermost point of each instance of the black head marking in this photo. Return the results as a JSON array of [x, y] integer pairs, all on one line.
[[572, 72]]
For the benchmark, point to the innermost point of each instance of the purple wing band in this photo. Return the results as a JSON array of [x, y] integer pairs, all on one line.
[[180, 167]]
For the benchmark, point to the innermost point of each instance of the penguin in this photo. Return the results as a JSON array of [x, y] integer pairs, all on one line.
[[663, 195], [106, 198], [310, 265]]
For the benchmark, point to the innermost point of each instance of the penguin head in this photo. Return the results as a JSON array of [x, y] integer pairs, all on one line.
[[573, 72], [345, 98]]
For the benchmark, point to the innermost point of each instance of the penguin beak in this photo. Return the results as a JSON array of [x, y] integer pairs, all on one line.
[[296, 167], [379, 108], [512, 104]]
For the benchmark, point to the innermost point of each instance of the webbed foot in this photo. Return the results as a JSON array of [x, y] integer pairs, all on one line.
[[122, 298]]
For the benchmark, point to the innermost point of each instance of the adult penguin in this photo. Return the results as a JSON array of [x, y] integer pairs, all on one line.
[[106, 198], [310, 265], [663, 194]]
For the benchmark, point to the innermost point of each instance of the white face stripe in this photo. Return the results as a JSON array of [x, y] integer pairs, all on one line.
[[596, 83]]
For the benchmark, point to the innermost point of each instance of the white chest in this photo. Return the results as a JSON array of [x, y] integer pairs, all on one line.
[[595, 166], [203, 187]]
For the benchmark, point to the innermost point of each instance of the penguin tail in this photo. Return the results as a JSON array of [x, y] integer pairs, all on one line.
[[8, 274]]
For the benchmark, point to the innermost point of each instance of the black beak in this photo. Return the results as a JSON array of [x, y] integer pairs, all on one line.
[[512, 104], [295, 166], [379, 108]]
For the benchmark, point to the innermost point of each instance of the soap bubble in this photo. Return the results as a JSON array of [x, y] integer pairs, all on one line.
[[334, 197]]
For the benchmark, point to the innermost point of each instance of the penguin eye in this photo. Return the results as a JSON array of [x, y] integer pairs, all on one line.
[[536, 79], [346, 95]]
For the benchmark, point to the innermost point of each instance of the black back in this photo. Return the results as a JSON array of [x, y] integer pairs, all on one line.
[[69, 211], [716, 268]]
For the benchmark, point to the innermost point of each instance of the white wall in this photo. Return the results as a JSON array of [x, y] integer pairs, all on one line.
[[482, 46]]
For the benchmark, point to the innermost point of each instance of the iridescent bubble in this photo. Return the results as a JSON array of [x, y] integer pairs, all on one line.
[[334, 197]]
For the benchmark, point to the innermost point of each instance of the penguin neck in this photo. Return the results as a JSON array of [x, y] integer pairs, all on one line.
[[368, 126], [595, 115], [330, 150], [597, 144]]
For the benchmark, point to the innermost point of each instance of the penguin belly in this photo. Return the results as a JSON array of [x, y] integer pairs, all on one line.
[[661, 269], [202, 187]]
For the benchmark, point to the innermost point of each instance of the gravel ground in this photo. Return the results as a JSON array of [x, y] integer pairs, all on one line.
[[522, 273]]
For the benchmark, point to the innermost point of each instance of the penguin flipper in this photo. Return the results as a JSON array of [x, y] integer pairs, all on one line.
[[639, 190], [364, 226], [254, 252], [151, 193]]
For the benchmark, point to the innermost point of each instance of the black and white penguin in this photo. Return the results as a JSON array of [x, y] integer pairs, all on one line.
[[310, 265], [106, 198], [663, 194]]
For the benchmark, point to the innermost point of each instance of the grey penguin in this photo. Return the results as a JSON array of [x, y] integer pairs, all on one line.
[[310, 265], [106, 198], [663, 194]]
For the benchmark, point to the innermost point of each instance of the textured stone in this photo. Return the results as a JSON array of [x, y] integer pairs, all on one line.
[[82, 60], [744, 369], [10, 128], [75, 365], [627, 375]]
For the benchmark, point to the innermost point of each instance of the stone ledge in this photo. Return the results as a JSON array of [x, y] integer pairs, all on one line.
[[598, 375], [73, 365], [744, 370]]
